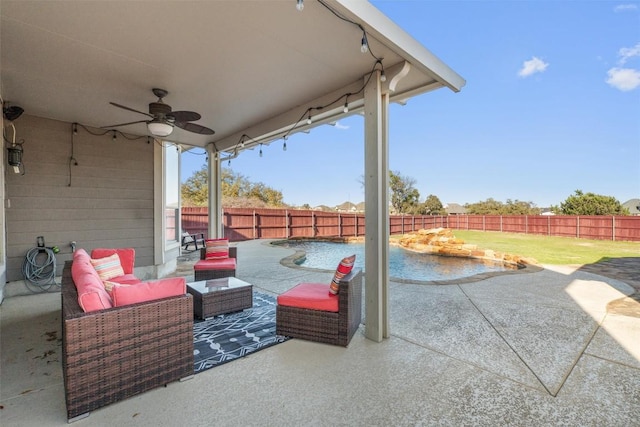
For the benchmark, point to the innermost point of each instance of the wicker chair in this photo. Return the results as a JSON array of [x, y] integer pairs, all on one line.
[[206, 269], [326, 326], [110, 355]]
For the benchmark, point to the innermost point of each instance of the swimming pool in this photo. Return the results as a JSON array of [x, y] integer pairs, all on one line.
[[403, 264]]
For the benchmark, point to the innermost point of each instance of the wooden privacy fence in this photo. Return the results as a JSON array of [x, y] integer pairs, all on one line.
[[246, 224]]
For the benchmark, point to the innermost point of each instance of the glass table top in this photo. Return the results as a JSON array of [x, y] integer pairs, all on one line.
[[217, 285]]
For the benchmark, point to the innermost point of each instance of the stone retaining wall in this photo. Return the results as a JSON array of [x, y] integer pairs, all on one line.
[[441, 241]]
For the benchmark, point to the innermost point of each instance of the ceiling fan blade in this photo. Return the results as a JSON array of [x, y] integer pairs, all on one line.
[[185, 116], [130, 109], [195, 128], [123, 124]]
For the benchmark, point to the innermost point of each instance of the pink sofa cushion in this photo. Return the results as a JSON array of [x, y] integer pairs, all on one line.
[[148, 291], [127, 256], [314, 296], [216, 264], [127, 279], [92, 295]]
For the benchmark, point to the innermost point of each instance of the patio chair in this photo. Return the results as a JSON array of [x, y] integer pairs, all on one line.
[[309, 311], [217, 260], [192, 239]]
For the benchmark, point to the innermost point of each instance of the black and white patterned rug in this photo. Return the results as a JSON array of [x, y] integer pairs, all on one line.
[[224, 338]]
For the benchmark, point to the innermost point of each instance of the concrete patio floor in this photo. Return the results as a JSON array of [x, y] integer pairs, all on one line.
[[526, 349]]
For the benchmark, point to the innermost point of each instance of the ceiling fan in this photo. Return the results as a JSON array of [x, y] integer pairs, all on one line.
[[163, 119]]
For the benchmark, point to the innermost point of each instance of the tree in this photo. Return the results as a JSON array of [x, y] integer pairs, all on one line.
[[495, 207], [237, 191], [518, 207], [580, 203], [433, 206], [404, 197], [195, 190], [488, 207]]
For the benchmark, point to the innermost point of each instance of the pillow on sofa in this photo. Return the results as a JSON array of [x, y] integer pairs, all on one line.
[[216, 248], [108, 267], [148, 291], [127, 256], [344, 268]]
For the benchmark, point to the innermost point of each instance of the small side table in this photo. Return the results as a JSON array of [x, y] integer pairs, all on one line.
[[219, 296]]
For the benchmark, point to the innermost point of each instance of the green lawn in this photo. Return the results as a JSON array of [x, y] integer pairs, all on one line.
[[549, 249]]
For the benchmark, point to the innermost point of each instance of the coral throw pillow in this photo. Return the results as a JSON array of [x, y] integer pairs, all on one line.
[[108, 267], [216, 248], [344, 268]]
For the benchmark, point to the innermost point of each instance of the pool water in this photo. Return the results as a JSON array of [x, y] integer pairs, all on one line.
[[403, 264]]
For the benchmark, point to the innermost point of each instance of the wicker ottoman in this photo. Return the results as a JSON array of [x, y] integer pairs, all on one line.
[[220, 296]]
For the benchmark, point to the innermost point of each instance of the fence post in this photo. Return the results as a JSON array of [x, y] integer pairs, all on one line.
[[356, 221], [526, 224], [484, 227], [613, 228], [548, 225], [313, 224], [286, 223], [339, 225], [255, 226], [578, 226]]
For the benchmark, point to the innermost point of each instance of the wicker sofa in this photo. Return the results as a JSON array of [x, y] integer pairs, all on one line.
[[115, 353], [328, 327]]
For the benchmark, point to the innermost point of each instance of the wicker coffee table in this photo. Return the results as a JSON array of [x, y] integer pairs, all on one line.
[[219, 296]]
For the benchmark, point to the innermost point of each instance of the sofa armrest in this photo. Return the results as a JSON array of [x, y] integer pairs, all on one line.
[[350, 299]]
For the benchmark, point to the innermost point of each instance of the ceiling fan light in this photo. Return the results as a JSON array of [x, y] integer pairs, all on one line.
[[159, 128]]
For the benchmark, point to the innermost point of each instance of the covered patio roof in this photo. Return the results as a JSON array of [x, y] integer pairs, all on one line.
[[255, 71], [250, 68]]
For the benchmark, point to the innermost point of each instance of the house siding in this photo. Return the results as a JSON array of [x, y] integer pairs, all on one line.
[[106, 200]]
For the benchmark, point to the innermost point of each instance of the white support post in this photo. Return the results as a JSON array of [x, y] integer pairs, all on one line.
[[376, 171], [215, 193]]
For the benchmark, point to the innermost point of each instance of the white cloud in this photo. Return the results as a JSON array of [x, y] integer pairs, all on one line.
[[339, 126], [625, 7], [534, 65], [628, 52], [624, 79]]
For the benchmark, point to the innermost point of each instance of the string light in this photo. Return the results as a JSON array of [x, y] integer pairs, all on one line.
[[114, 136], [364, 46], [309, 118], [75, 128], [346, 107], [284, 145], [300, 5], [383, 77], [260, 150]]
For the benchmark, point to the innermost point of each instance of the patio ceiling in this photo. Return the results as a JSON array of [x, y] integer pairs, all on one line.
[[248, 67]]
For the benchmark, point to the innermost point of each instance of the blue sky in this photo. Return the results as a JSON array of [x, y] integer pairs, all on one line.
[[551, 105]]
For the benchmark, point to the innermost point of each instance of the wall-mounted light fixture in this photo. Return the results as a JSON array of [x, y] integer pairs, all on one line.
[[14, 151], [14, 157]]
